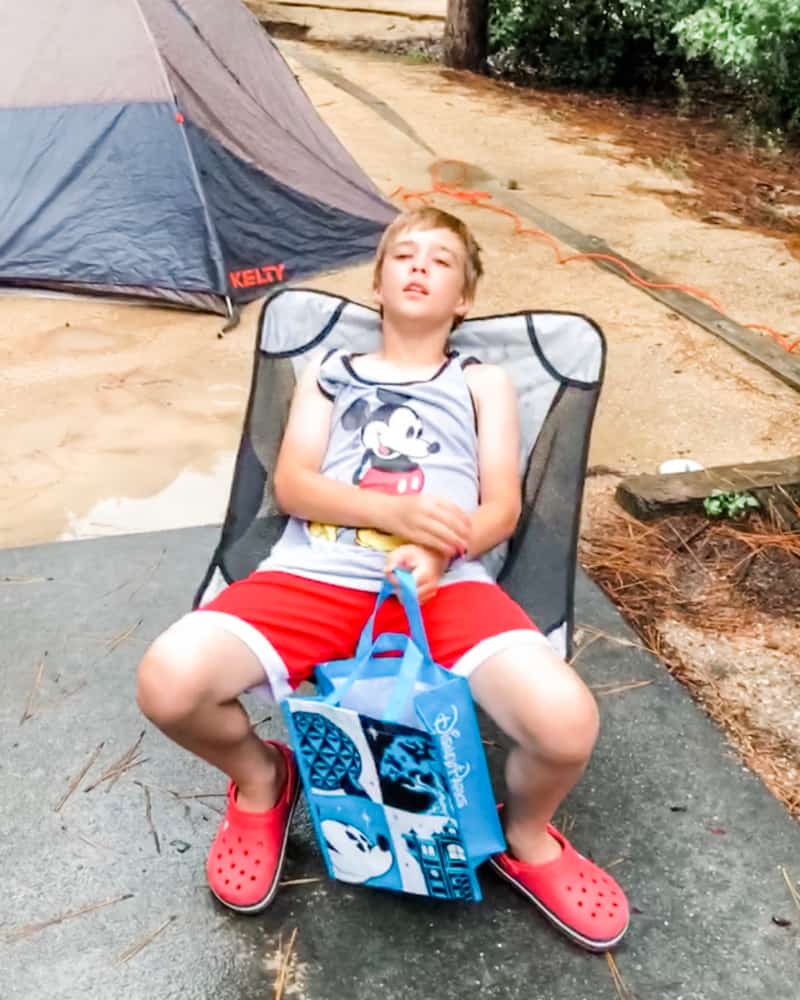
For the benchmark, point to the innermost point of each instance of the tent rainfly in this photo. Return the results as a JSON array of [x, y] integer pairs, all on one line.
[[163, 149]]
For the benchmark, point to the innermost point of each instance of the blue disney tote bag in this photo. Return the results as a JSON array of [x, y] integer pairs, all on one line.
[[392, 765]]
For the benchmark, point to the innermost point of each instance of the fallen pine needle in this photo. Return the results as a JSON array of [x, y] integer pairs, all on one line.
[[792, 889], [115, 588], [29, 929], [25, 579], [120, 766], [127, 766], [612, 864], [118, 640], [91, 843], [148, 575], [567, 824], [600, 634], [27, 714], [682, 540], [582, 649], [148, 814], [135, 948], [300, 881], [76, 781], [623, 990], [200, 795], [603, 689], [283, 972], [58, 701], [180, 795], [215, 809]]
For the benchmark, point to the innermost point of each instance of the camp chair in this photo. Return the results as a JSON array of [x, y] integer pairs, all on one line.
[[556, 362]]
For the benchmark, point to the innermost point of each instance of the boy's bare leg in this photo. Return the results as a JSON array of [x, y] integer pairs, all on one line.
[[550, 714], [188, 685]]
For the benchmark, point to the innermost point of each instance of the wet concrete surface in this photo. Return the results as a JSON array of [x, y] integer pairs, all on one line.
[[696, 840]]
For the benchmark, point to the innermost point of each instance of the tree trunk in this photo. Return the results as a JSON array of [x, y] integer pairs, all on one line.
[[466, 34]]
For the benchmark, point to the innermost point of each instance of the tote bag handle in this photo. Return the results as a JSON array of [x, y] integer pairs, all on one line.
[[408, 598], [405, 678]]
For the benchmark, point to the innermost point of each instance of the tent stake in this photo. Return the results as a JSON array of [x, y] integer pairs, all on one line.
[[233, 317]]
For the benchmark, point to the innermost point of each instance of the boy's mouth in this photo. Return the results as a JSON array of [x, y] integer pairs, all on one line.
[[415, 286]]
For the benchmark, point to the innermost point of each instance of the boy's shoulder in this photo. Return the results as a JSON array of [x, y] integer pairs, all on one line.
[[492, 391], [487, 377]]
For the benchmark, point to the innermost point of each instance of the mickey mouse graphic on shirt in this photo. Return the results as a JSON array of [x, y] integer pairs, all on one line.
[[392, 435]]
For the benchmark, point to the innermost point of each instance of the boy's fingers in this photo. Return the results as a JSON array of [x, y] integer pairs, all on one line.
[[399, 557], [449, 543], [458, 527], [436, 534], [439, 544], [454, 513]]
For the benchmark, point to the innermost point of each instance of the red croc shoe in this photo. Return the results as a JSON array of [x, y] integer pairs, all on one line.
[[245, 861], [579, 898]]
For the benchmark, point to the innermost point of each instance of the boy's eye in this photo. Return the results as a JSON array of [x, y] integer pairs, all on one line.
[[443, 261]]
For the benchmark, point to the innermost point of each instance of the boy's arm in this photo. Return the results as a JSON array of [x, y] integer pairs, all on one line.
[[303, 491], [300, 487], [498, 455]]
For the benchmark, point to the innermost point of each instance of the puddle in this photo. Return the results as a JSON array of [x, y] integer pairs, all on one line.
[[191, 499]]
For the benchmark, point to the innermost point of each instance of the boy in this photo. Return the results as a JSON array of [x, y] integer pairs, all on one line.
[[405, 457]]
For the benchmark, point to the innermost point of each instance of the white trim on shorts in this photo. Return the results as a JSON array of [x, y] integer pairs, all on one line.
[[481, 652], [277, 685]]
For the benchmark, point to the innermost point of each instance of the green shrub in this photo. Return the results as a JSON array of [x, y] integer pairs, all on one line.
[[619, 43], [752, 46], [756, 43]]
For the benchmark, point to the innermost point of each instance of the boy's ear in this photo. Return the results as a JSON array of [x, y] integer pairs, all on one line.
[[464, 305]]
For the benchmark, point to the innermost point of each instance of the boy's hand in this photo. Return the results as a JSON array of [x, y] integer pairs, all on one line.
[[426, 565], [431, 522]]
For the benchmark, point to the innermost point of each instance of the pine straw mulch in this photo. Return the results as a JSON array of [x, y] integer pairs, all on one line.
[[729, 579]]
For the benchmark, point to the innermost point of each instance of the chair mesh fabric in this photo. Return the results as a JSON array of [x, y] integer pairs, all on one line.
[[556, 363]]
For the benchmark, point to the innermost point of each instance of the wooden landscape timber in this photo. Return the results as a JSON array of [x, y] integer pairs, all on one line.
[[409, 10], [776, 485]]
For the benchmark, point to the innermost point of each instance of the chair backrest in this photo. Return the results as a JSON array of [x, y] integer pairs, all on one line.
[[556, 362]]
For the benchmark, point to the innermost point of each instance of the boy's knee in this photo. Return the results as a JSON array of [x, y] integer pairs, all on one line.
[[165, 690], [565, 734]]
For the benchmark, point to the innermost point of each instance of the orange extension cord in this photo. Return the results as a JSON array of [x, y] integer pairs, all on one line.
[[483, 199]]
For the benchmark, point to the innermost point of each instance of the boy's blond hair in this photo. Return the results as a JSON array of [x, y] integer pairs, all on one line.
[[425, 219]]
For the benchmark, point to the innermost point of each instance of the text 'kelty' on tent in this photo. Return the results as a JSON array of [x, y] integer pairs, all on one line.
[[164, 149]]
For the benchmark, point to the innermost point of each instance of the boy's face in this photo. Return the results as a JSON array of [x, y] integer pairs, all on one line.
[[423, 277]]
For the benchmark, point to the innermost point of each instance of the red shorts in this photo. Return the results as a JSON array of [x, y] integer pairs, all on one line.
[[293, 623]]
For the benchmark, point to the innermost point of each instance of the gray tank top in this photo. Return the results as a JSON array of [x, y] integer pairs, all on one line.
[[396, 437]]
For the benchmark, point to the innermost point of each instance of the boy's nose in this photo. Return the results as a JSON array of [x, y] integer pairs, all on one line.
[[419, 265]]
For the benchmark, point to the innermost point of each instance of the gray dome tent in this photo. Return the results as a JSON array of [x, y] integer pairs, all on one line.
[[163, 149]]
